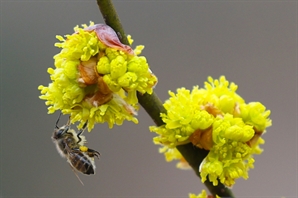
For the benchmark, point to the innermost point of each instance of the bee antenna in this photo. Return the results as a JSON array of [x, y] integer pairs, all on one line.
[[85, 125], [58, 120]]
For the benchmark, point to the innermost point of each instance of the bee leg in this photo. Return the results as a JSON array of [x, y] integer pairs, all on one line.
[[92, 153], [75, 172], [88, 151], [81, 131], [58, 120]]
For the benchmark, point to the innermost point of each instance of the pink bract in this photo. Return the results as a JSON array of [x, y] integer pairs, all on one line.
[[109, 37]]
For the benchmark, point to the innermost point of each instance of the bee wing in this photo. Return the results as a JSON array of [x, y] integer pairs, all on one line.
[[75, 172]]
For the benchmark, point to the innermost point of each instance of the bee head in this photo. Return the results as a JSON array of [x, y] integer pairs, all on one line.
[[59, 132]]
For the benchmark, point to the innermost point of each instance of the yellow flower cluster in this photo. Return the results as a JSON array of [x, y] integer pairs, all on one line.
[[96, 77], [217, 119], [201, 195]]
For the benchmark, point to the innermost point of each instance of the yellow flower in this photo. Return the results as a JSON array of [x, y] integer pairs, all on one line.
[[184, 116], [217, 119], [230, 157], [96, 77], [255, 114], [202, 195]]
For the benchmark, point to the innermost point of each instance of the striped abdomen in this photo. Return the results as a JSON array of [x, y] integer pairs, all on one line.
[[81, 162]]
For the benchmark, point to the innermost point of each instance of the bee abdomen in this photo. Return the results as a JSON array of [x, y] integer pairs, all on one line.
[[82, 163]]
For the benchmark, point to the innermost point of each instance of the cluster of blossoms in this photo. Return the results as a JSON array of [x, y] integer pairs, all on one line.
[[97, 77], [202, 195], [96, 80], [217, 119]]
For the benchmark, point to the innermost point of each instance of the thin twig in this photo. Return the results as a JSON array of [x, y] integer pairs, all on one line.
[[153, 106]]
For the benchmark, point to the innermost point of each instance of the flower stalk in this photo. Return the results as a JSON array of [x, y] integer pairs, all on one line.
[[153, 106]]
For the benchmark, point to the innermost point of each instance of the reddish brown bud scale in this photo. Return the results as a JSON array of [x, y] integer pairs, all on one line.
[[211, 109], [202, 138], [99, 98], [109, 37], [89, 76], [102, 95], [255, 138], [103, 87], [88, 72]]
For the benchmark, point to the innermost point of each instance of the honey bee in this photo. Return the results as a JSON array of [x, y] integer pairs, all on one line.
[[71, 146]]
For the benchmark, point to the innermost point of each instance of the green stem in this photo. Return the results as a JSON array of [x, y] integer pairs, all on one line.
[[153, 106], [111, 18]]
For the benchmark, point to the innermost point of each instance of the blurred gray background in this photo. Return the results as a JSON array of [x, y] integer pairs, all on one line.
[[252, 43]]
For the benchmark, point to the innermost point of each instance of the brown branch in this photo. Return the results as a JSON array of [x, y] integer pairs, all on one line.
[[153, 106]]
